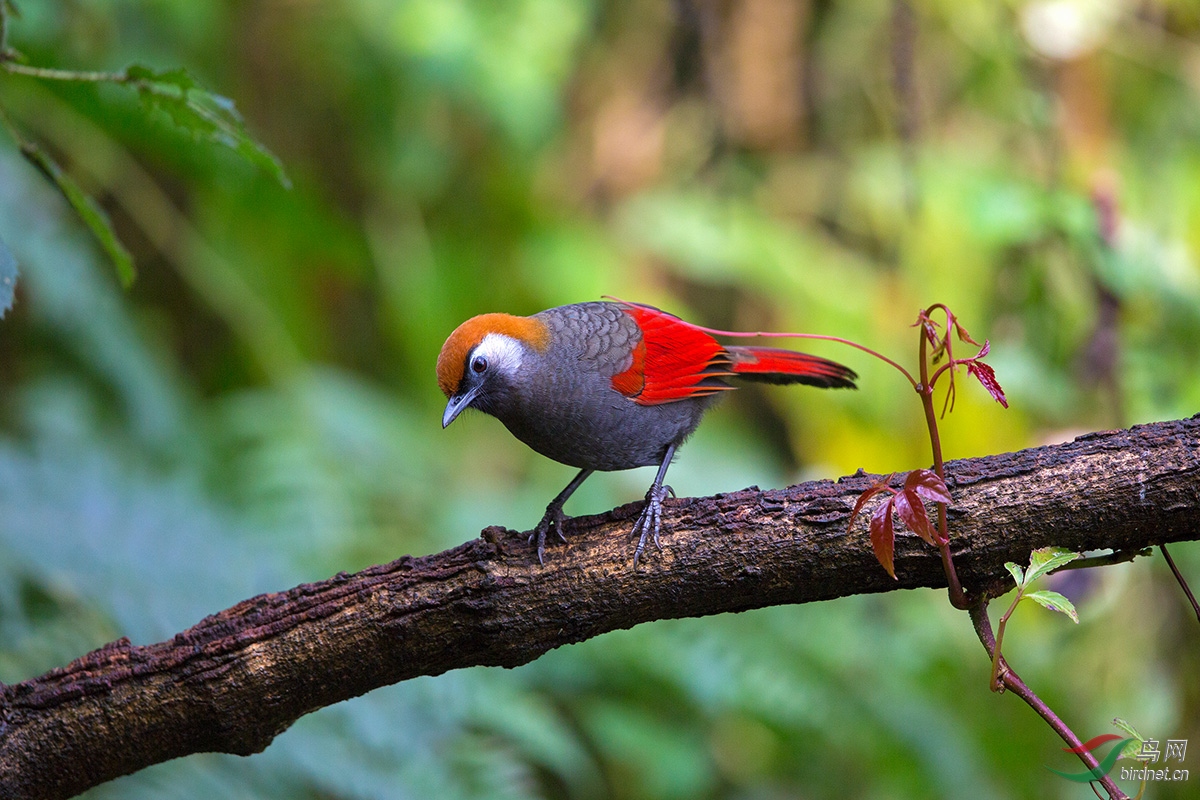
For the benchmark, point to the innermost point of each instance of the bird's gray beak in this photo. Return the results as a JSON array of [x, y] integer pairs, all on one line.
[[457, 403]]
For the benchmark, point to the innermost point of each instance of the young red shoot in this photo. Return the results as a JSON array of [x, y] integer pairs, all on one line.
[[943, 346]]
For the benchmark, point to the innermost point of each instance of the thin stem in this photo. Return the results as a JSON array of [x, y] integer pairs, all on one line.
[[1118, 557], [1142, 787], [822, 337], [827, 338], [958, 598], [1013, 682], [938, 373], [50, 74], [926, 392], [996, 685], [948, 403], [1179, 577], [8, 125]]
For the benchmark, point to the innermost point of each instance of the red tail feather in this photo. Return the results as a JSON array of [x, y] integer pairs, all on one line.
[[772, 365]]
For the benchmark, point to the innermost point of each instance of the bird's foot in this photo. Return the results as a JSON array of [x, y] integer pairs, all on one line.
[[650, 521], [553, 519]]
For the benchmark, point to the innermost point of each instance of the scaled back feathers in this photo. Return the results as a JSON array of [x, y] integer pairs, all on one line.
[[466, 337]]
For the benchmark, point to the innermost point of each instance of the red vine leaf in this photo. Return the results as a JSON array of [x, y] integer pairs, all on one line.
[[911, 511], [987, 377], [928, 485], [876, 488], [963, 335], [931, 332], [883, 536]]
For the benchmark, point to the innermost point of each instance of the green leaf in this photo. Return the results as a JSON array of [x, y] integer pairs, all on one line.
[[203, 114], [1017, 573], [1047, 559], [8, 278], [88, 210], [1132, 749], [179, 78], [1121, 724], [1055, 602]]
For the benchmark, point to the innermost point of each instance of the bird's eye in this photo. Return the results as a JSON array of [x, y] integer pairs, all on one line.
[[479, 364]]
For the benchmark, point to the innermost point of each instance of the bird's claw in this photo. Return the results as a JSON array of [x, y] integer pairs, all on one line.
[[649, 523], [553, 519]]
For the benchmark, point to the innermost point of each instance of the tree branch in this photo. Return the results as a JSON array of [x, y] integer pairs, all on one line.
[[240, 677]]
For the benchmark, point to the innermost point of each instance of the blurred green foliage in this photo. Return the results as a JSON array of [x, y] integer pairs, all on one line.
[[259, 408]]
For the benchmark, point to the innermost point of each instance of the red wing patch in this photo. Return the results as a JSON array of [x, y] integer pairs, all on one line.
[[675, 360], [631, 382]]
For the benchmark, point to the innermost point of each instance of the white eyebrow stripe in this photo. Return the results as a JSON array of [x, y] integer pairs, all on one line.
[[502, 352]]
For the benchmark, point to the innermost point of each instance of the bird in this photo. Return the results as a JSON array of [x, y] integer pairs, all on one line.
[[606, 385]]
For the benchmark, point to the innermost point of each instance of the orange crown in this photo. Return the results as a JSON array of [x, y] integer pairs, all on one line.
[[467, 336]]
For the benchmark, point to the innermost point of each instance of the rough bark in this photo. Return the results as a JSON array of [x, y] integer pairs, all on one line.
[[240, 677]]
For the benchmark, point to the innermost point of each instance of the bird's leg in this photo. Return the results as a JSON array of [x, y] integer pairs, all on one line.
[[554, 516], [650, 521]]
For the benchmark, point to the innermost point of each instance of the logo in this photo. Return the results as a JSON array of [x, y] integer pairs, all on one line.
[[1101, 769], [1148, 752]]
